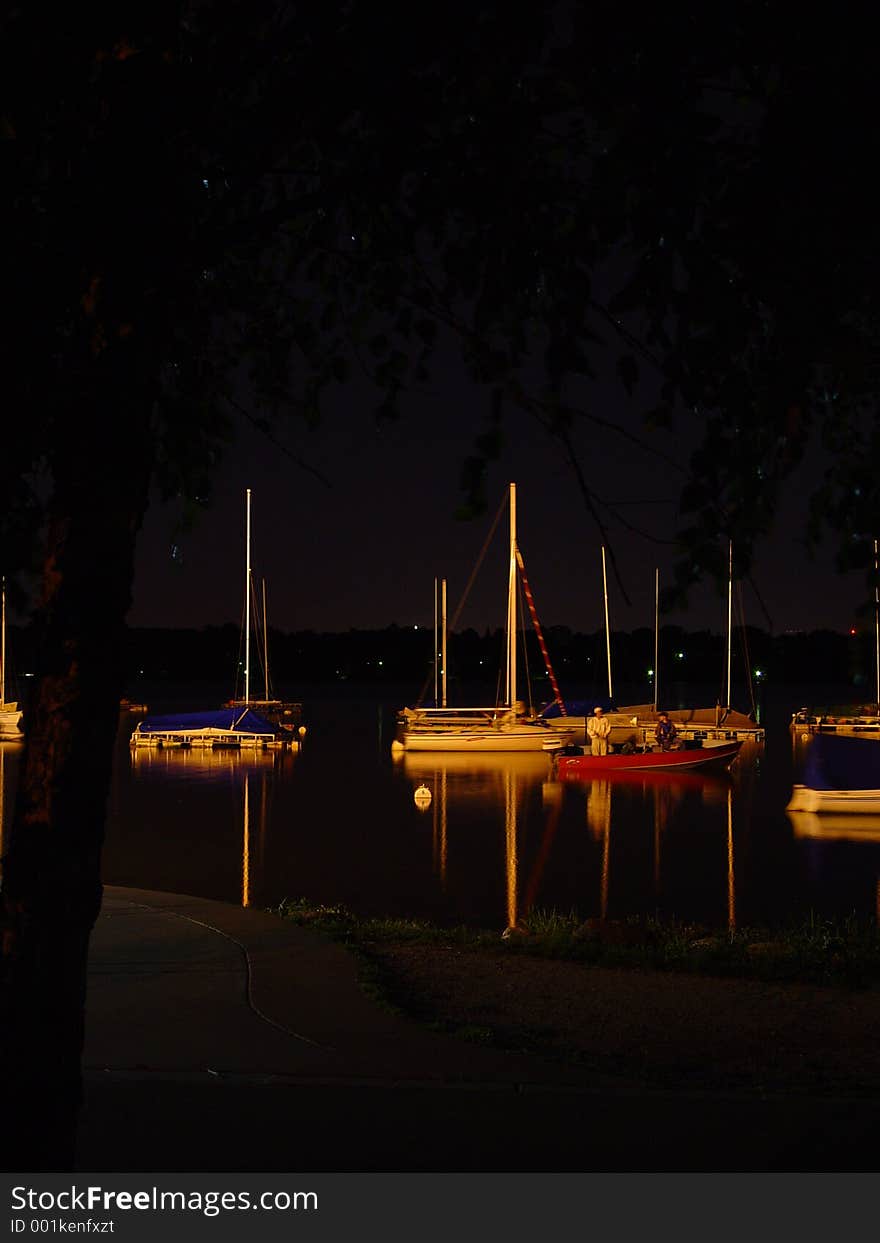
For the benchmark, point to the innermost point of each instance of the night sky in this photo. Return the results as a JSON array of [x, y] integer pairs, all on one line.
[[363, 552]]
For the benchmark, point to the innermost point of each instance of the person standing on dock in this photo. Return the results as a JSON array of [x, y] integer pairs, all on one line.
[[598, 729]]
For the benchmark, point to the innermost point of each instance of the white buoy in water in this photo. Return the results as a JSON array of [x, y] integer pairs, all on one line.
[[422, 797]]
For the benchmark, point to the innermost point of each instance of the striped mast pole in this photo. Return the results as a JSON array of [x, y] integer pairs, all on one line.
[[527, 591]]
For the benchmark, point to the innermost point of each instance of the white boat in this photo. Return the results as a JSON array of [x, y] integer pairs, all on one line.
[[500, 728], [700, 724], [10, 713], [720, 723], [842, 719], [841, 775], [634, 725]]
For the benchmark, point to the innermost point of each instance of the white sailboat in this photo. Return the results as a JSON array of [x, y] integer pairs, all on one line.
[[284, 714], [710, 724], [633, 725], [10, 713], [499, 728]]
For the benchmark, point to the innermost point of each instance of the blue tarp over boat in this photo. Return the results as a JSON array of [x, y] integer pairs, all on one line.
[[240, 720], [834, 762], [576, 707]]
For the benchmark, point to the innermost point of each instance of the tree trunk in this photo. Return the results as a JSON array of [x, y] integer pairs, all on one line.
[[51, 893]]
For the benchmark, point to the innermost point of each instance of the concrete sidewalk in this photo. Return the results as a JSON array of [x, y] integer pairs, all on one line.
[[224, 1039]]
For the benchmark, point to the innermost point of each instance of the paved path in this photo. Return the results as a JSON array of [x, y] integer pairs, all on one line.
[[223, 1039]]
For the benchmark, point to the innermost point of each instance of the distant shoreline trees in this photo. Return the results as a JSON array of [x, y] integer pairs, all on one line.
[[402, 655]]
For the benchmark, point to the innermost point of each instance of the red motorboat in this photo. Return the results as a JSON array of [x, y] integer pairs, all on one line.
[[578, 766]]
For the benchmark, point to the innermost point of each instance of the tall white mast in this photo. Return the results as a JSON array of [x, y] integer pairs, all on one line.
[[656, 639], [247, 605], [607, 626], [443, 632], [436, 659], [729, 614], [511, 605], [3, 641]]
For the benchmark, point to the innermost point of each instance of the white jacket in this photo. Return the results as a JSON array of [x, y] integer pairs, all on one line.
[[598, 727]]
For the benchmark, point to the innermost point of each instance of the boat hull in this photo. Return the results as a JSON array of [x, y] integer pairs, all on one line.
[[849, 802], [480, 741], [841, 774], [570, 767]]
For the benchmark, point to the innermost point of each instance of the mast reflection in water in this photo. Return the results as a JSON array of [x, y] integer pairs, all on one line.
[[336, 824]]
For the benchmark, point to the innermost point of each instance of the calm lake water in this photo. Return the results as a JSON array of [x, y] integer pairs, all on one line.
[[336, 822]]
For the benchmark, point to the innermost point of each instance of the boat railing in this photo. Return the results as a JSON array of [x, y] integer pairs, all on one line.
[[454, 716], [202, 738]]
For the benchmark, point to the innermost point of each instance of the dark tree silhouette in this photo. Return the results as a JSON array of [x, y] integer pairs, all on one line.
[[214, 213]]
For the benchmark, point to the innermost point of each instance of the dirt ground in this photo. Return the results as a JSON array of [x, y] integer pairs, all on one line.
[[650, 1027]]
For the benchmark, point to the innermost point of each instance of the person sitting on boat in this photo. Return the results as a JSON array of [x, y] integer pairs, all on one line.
[[665, 733], [598, 729]]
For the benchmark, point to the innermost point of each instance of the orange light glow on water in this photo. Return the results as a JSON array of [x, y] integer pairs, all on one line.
[[246, 850], [510, 844], [731, 890]]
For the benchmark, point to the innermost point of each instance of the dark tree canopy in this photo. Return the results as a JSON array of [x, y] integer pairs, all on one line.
[[217, 211], [317, 197]]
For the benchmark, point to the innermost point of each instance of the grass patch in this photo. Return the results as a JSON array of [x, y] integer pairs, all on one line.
[[408, 966], [843, 953]]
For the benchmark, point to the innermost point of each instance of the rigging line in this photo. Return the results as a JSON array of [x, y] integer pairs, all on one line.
[[462, 601], [525, 646], [261, 636], [239, 664], [261, 427], [479, 562], [745, 643], [539, 632]]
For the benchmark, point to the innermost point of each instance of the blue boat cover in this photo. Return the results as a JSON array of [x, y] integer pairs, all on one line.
[[835, 762], [242, 720], [577, 707]]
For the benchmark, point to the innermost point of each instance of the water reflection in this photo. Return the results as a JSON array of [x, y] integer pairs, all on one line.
[[337, 823], [496, 779], [12, 748], [206, 813], [831, 828], [609, 808], [260, 811], [204, 764], [664, 794]]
